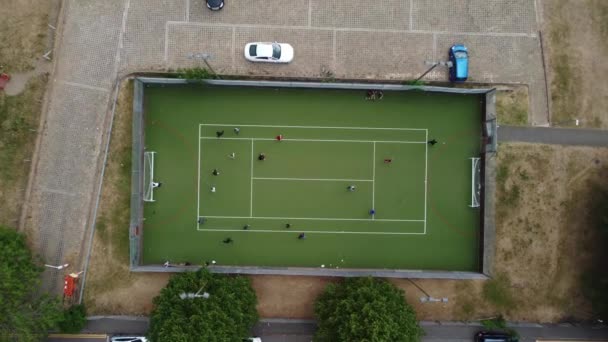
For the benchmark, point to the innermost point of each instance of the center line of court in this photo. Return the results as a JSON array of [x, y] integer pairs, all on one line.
[[316, 179]]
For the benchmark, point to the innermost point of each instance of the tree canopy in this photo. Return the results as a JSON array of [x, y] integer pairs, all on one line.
[[24, 316], [367, 310], [226, 315]]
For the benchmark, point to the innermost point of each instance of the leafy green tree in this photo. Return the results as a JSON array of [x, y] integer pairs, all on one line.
[[366, 310], [227, 314], [24, 316], [74, 319]]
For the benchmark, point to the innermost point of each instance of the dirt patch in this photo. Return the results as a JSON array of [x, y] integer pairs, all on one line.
[[543, 226], [24, 30], [19, 118], [512, 106], [576, 46], [111, 288], [288, 297]]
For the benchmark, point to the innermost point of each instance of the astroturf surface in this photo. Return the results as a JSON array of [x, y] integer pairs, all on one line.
[[332, 139]]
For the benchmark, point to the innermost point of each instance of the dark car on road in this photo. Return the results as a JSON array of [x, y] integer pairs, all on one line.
[[215, 5], [494, 336]]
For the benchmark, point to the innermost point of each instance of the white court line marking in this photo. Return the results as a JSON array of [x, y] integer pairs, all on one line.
[[307, 218], [426, 163], [198, 182], [374, 181], [251, 182], [321, 127], [316, 179], [306, 231], [320, 140]]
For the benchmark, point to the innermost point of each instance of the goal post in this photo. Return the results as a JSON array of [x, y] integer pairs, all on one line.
[[475, 182], [148, 176]]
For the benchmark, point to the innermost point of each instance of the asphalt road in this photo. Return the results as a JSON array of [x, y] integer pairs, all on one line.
[[280, 330], [77, 338], [559, 136]]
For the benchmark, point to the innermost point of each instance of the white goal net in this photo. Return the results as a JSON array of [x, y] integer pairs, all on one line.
[[475, 182], [149, 176]]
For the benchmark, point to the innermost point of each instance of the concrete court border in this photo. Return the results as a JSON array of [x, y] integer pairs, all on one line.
[[486, 216]]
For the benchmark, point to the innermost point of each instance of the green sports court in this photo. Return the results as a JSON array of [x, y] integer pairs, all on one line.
[[305, 177]]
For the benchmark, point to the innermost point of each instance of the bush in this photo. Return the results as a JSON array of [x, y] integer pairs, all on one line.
[[194, 74], [74, 319], [365, 309]]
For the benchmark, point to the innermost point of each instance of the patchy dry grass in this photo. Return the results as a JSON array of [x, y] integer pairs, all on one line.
[[111, 288], [543, 236], [512, 106], [19, 118], [23, 29], [577, 32]]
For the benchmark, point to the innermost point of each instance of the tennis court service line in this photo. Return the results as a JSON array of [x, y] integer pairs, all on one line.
[[307, 231], [318, 127], [320, 140], [314, 179]]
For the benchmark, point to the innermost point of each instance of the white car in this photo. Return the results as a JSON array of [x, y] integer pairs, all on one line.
[[269, 52]]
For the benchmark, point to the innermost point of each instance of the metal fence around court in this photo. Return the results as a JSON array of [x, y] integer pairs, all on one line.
[[487, 174]]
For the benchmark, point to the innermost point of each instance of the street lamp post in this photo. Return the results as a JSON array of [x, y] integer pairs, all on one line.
[[59, 267], [204, 57]]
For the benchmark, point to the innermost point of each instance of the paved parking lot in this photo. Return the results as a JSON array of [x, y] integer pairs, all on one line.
[[354, 39], [100, 40]]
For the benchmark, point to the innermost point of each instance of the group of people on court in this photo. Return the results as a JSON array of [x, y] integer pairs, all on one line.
[[371, 94]]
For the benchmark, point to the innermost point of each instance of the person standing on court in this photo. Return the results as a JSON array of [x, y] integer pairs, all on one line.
[[262, 156], [215, 172], [219, 133], [351, 188], [432, 142], [237, 130]]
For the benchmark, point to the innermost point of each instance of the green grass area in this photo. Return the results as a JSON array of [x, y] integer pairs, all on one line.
[[332, 139], [19, 118]]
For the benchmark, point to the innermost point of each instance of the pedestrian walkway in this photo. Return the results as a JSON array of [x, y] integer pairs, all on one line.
[[558, 136]]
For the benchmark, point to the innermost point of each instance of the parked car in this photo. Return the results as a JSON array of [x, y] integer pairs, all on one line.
[[252, 339], [459, 58], [269, 52], [493, 336], [128, 339], [215, 5]]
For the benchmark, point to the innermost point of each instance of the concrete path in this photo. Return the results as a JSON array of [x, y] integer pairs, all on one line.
[[283, 330], [65, 179], [559, 136]]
